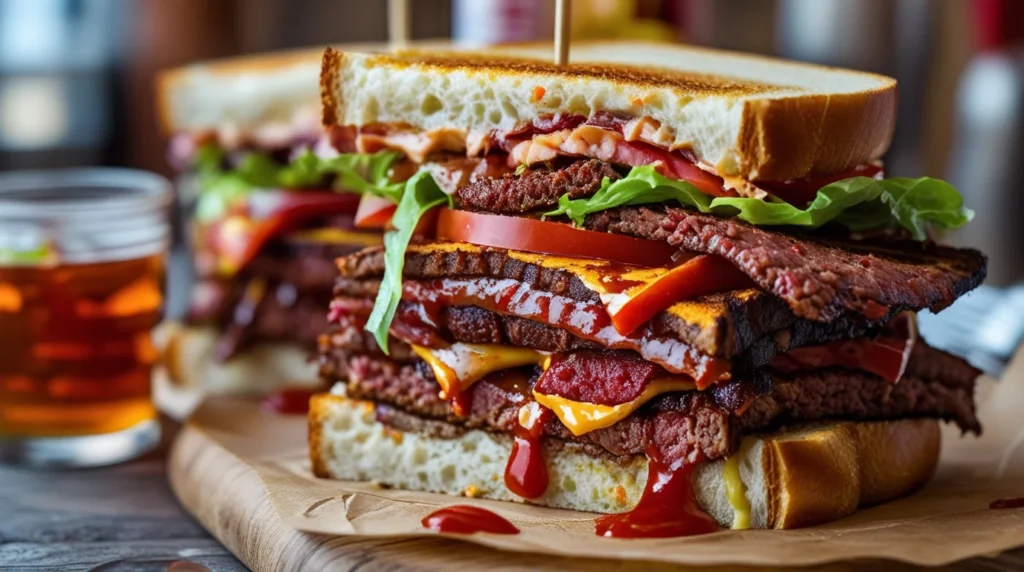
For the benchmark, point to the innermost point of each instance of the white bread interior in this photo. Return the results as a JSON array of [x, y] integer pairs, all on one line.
[[791, 478], [747, 116], [186, 352]]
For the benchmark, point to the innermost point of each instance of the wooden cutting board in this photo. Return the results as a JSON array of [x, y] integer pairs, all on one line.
[[227, 496]]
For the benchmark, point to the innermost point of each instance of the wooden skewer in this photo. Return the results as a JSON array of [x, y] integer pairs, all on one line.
[[398, 23], [563, 28]]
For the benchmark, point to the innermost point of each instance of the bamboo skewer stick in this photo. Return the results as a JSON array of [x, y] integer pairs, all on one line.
[[398, 23], [563, 28]]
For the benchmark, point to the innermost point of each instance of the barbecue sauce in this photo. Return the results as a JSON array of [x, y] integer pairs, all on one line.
[[667, 507], [526, 473], [460, 403], [463, 519]]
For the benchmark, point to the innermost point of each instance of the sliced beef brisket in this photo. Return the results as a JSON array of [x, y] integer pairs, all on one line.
[[819, 278]]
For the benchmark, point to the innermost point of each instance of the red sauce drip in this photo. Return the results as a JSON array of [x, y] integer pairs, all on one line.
[[463, 519], [667, 507], [526, 474], [460, 403], [289, 401], [1007, 503]]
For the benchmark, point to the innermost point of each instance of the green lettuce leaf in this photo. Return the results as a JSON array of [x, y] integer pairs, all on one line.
[[421, 193], [859, 203], [354, 172]]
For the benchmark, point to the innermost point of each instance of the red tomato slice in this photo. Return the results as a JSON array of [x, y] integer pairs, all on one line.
[[800, 192], [702, 274], [427, 225], [674, 165], [374, 212], [547, 237], [273, 214]]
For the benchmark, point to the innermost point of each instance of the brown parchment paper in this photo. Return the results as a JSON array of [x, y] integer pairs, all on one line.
[[946, 521]]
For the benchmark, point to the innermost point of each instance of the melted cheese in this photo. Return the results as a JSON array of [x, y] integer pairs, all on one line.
[[735, 491], [331, 235], [461, 365], [582, 418]]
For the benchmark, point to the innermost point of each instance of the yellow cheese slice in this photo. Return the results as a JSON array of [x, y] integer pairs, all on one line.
[[461, 365], [337, 236], [582, 418]]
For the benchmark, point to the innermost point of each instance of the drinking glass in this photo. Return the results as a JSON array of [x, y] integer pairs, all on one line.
[[81, 288]]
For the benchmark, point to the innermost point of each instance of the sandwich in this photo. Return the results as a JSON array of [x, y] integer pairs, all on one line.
[[680, 292], [271, 205]]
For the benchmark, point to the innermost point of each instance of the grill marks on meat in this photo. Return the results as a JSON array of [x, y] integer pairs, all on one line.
[[532, 190], [817, 277], [682, 425], [472, 325]]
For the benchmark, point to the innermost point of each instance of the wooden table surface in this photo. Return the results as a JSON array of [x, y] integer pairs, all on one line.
[[121, 518], [125, 518]]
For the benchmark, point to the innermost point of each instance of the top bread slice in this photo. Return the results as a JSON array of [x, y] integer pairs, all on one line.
[[746, 116], [249, 91]]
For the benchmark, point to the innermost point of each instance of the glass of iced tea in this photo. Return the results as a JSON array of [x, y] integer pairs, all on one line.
[[81, 287]]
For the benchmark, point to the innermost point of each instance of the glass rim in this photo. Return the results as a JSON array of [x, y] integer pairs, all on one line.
[[19, 191]]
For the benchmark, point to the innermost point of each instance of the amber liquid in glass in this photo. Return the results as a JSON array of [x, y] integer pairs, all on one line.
[[76, 352]]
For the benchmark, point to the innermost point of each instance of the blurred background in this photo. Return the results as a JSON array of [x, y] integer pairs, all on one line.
[[76, 76]]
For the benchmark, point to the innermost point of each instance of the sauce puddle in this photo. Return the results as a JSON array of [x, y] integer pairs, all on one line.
[[464, 519], [1007, 503], [289, 401], [667, 507]]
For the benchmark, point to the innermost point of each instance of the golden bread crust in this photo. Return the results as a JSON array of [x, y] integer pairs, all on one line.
[[823, 474], [639, 77], [319, 413], [332, 64]]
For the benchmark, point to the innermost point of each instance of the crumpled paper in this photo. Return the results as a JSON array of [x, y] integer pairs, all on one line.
[[946, 521]]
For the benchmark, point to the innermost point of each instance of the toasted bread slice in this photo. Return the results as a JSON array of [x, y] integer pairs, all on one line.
[[745, 116], [790, 479]]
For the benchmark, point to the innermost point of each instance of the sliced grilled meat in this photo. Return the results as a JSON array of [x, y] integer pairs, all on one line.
[[515, 194], [820, 279]]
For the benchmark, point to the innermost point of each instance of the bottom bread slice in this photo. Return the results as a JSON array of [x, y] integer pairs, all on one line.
[[188, 354], [792, 478]]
